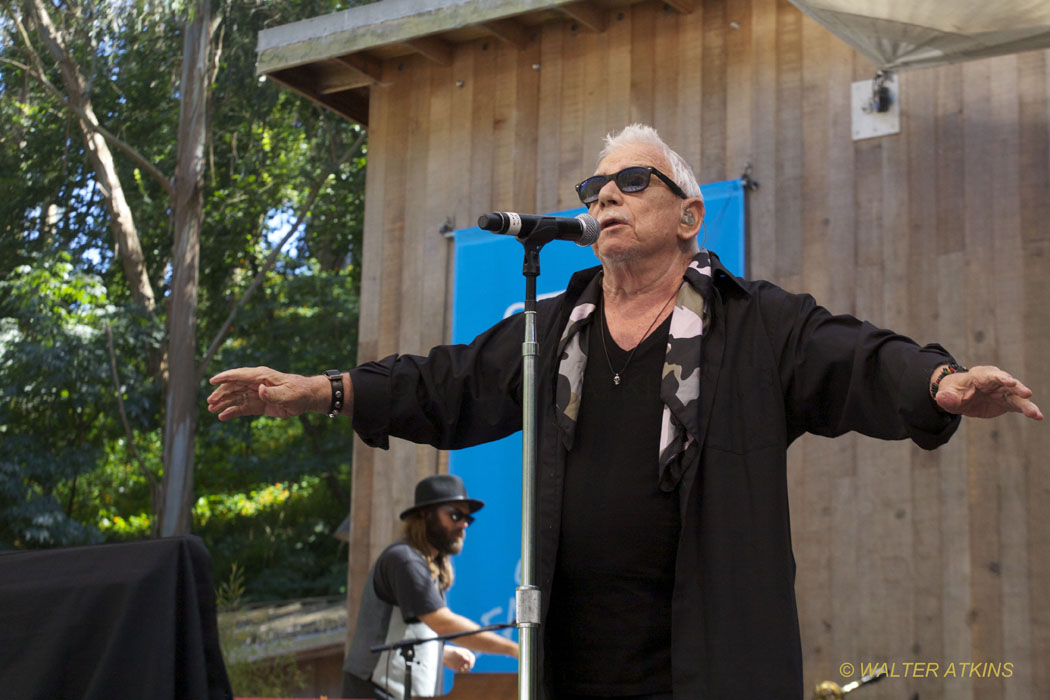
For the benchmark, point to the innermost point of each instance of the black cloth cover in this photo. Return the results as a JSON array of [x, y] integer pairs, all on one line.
[[132, 620]]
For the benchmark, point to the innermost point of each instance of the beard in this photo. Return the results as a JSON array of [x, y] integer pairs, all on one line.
[[446, 542]]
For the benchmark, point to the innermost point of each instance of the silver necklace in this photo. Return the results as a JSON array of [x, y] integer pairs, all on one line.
[[617, 375]]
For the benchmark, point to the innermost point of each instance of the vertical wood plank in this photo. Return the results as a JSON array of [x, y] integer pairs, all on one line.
[[482, 134], [642, 78], [949, 146], [462, 141], [919, 128], [437, 278], [1034, 116], [665, 75], [739, 110], [504, 127], [763, 226], [1012, 562], [1036, 445], [619, 52], [822, 456], [595, 88], [985, 511], [713, 109], [789, 157], [816, 43], [398, 466], [572, 111], [549, 122], [526, 132], [689, 73], [956, 535], [362, 485], [415, 116]]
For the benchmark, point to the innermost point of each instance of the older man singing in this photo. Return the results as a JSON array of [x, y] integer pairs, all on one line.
[[669, 392]]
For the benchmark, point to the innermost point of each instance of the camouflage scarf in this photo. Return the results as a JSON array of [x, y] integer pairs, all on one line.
[[680, 383]]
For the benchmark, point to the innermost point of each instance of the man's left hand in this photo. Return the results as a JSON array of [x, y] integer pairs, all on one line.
[[985, 392]]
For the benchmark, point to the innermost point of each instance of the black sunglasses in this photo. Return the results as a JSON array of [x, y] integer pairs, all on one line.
[[629, 180], [455, 515]]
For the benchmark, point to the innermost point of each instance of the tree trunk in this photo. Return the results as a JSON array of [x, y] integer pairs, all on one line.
[[181, 415], [121, 221]]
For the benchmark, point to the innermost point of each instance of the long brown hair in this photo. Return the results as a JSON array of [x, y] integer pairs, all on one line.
[[414, 532]]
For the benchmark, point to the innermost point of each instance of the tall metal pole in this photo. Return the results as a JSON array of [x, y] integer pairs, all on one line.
[[528, 594]]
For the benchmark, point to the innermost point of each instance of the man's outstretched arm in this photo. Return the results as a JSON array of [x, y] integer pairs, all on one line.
[[444, 621], [261, 391]]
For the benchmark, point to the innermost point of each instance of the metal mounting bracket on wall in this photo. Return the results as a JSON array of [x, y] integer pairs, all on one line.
[[875, 108]]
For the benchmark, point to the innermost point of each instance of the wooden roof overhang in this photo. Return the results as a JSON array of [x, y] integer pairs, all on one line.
[[334, 59]]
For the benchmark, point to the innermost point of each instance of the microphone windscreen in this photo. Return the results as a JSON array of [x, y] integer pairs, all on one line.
[[591, 229]]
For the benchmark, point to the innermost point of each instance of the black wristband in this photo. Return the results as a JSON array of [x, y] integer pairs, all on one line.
[[336, 378]]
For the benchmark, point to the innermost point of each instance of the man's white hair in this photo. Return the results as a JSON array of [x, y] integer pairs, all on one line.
[[643, 134]]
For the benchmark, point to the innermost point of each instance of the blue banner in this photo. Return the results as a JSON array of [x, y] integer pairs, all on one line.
[[489, 286]]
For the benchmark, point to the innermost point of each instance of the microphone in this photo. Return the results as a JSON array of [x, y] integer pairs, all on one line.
[[582, 230]]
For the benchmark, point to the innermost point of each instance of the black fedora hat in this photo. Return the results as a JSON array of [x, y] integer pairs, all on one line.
[[442, 488]]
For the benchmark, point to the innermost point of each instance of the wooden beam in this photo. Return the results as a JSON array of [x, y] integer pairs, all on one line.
[[683, 7], [435, 49], [363, 63], [509, 32], [337, 76], [586, 15]]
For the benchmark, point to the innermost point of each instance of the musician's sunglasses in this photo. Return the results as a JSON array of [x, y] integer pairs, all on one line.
[[455, 515], [629, 180]]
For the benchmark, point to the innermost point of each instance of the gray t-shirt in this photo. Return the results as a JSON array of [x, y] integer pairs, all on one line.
[[399, 590]]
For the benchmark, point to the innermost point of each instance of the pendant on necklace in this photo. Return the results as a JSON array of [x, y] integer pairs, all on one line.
[[616, 379]]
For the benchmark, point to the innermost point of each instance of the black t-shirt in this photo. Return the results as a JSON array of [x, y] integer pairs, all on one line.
[[402, 578], [609, 624]]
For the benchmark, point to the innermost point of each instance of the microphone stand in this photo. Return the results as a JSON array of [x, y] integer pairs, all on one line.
[[407, 649], [527, 597]]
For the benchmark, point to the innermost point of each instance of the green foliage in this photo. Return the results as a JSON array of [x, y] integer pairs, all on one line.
[[56, 399], [280, 536], [68, 471]]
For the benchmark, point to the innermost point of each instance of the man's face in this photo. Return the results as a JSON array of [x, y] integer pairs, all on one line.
[[635, 225], [443, 534]]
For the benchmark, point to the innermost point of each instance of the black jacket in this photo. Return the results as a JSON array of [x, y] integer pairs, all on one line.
[[775, 365]]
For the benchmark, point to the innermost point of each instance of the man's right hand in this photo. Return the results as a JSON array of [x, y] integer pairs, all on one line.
[[261, 391]]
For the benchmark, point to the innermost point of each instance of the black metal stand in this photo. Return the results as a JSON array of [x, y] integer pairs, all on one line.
[[407, 649]]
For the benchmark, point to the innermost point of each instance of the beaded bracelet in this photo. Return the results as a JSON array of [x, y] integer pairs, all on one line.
[[336, 377], [950, 368]]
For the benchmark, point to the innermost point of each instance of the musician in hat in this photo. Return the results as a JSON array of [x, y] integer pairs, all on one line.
[[404, 598]]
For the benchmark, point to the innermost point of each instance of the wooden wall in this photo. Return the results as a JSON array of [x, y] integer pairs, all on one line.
[[941, 232]]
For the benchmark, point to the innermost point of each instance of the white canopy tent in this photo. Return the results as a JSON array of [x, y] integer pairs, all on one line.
[[904, 34]]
